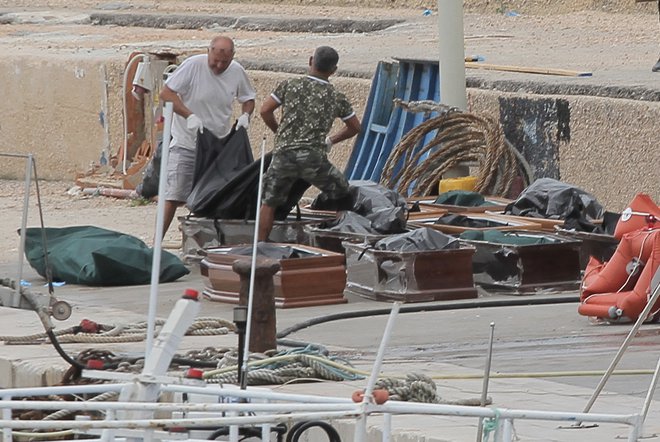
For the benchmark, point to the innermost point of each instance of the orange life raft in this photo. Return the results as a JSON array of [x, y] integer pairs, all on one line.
[[619, 289]]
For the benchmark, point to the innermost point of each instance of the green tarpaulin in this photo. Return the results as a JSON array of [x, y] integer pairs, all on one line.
[[91, 255]]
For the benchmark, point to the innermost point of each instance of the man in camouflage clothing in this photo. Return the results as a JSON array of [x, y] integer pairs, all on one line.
[[309, 105]]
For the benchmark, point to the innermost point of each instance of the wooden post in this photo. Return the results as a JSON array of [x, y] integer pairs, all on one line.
[[264, 323]]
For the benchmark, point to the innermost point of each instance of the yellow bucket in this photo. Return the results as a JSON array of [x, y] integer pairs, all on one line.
[[462, 183]]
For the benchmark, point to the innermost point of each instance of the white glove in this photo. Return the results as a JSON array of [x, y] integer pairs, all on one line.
[[328, 144], [194, 123], [243, 121]]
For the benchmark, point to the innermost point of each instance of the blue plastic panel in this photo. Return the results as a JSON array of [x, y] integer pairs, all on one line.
[[383, 125]]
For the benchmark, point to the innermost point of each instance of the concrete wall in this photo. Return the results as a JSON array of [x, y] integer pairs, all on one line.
[[606, 146], [67, 111]]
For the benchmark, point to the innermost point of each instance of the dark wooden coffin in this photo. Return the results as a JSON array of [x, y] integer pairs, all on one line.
[[434, 275], [301, 282], [525, 269]]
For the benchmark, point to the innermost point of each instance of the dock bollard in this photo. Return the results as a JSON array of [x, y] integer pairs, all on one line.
[[264, 323]]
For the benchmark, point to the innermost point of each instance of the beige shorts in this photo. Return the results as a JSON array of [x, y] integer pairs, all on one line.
[[180, 169]]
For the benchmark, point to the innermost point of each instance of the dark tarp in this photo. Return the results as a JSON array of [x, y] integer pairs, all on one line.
[[235, 197], [148, 188], [464, 221], [549, 198], [461, 198], [384, 208], [349, 222], [217, 161], [508, 238], [418, 240], [272, 251], [91, 255]]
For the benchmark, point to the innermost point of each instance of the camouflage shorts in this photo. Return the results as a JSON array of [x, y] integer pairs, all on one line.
[[312, 166]]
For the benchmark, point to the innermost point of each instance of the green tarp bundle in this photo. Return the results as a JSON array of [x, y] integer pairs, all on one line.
[[89, 255]]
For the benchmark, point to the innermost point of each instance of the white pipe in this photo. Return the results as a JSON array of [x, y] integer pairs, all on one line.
[[360, 433], [253, 394], [452, 53], [135, 57], [160, 423], [503, 413], [387, 427], [506, 430], [484, 387], [158, 236], [6, 415], [61, 390], [246, 347]]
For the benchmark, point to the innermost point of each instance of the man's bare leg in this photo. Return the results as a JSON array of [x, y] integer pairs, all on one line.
[[266, 218], [170, 211]]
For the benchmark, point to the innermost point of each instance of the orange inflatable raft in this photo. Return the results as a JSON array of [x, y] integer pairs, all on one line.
[[619, 289]]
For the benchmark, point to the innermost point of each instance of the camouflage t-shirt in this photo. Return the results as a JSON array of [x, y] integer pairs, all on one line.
[[309, 107]]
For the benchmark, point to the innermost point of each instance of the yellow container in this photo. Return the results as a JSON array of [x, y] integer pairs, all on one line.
[[462, 183]]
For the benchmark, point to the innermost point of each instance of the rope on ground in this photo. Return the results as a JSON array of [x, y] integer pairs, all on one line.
[[420, 388], [285, 367], [460, 137], [136, 332]]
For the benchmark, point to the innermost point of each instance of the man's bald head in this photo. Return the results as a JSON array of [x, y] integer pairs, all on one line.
[[220, 54]]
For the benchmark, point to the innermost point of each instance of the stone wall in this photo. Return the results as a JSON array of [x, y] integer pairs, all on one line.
[[68, 113]]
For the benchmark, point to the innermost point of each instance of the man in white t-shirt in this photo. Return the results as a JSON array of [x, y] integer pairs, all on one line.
[[202, 89]]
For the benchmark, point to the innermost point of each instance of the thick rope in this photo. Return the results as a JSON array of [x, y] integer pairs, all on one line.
[[460, 137], [122, 333], [420, 388]]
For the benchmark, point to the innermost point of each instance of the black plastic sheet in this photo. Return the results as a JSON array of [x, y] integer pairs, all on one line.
[[418, 240], [552, 199], [272, 251]]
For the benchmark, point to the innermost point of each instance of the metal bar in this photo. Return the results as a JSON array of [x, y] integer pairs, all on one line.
[[6, 415], [507, 430], [16, 297], [158, 236], [633, 331], [253, 270], [484, 388]]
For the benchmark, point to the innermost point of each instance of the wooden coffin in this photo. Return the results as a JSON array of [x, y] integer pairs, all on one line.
[[333, 241], [301, 282], [435, 275], [525, 269], [199, 234], [598, 245], [499, 223]]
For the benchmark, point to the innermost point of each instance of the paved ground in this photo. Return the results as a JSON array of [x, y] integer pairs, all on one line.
[[441, 344]]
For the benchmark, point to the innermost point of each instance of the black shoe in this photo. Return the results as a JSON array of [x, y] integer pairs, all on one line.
[[656, 67]]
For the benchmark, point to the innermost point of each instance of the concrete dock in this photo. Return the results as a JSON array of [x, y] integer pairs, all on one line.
[[449, 346]]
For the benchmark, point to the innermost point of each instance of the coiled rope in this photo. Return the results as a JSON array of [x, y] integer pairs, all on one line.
[[461, 137], [122, 332]]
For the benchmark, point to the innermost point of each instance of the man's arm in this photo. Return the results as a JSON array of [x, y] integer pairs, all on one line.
[[247, 107], [168, 94], [267, 113], [351, 128]]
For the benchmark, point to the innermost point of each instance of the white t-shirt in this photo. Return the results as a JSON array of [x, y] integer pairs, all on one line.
[[208, 96]]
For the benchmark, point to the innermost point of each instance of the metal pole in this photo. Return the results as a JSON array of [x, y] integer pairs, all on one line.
[[158, 236], [361, 421], [16, 297], [484, 388], [633, 331], [655, 281], [452, 53], [246, 351]]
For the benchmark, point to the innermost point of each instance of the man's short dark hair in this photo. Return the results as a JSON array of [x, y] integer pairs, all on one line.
[[325, 59]]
